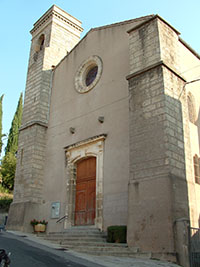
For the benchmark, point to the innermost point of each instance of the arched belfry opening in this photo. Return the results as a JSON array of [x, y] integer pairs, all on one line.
[[40, 43]]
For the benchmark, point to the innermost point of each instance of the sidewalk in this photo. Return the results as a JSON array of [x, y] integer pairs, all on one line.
[[107, 261]]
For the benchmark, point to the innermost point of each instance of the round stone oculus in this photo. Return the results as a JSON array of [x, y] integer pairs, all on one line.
[[88, 74]]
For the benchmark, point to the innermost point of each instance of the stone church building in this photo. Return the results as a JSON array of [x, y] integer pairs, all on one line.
[[110, 132]]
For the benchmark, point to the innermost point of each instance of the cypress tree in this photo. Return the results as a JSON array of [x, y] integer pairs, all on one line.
[[12, 143], [1, 114], [8, 165]]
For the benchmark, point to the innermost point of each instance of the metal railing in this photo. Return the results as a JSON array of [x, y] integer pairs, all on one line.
[[194, 246], [63, 231], [62, 218]]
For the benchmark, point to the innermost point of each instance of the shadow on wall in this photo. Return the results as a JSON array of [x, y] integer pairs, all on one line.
[[193, 117], [3, 220], [158, 187], [197, 123], [194, 246]]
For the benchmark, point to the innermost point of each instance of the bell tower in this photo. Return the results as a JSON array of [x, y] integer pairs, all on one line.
[[53, 36]]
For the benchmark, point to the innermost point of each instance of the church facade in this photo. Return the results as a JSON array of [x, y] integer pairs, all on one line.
[[110, 132]]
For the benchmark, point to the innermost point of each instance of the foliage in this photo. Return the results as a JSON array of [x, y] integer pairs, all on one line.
[[1, 114], [43, 222], [5, 203], [35, 222], [8, 170], [8, 165], [116, 234], [12, 143], [4, 191]]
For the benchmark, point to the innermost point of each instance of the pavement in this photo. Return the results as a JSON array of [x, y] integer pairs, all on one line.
[[107, 261]]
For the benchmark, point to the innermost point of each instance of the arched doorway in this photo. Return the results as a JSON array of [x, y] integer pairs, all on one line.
[[85, 202], [88, 152]]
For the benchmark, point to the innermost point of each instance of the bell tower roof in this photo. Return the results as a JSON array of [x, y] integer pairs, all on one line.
[[60, 17]]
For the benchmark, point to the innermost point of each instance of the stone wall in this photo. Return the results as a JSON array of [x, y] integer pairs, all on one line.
[[54, 35], [158, 192], [3, 215]]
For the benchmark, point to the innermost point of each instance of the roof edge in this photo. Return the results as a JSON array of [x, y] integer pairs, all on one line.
[[101, 28], [121, 23], [151, 19], [189, 47]]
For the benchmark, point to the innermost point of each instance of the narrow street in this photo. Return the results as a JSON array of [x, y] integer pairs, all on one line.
[[30, 254], [30, 251]]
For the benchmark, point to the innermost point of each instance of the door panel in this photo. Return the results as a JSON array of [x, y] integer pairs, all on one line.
[[91, 201], [85, 192]]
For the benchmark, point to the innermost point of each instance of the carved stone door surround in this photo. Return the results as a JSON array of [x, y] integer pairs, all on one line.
[[92, 147]]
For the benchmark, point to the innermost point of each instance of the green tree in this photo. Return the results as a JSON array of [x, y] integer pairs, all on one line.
[[8, 170], [8, 165], [12, 143], [1, 114]]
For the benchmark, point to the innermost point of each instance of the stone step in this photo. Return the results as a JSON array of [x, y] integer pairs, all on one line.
[[75, 235], [60, 241], [92, 244], [92, 241], [78, 231], [83, 235], [82, 228], [97, 249], [75, 238], [121, 253]]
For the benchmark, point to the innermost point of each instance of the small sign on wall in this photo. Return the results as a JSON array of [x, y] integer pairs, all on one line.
[[55, 210]]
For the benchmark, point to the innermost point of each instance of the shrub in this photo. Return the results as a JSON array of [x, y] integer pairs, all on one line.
[[5, 203], [8, 170], [4, 190], [116, 234]]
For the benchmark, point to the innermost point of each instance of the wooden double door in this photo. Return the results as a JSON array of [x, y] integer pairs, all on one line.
[[85, 206]]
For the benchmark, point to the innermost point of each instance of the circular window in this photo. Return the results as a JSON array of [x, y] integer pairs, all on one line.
[[91, 75], [88, 74]]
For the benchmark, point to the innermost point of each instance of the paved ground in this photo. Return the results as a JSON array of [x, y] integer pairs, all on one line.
[[27, 253], [110, 261], [107, 261]]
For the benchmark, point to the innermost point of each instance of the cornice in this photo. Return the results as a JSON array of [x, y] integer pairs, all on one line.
[[86, 141], [160, 63], [151, 19], [53, 13], [32, 123]]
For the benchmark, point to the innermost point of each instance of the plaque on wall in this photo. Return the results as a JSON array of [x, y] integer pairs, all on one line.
[[55, 210]]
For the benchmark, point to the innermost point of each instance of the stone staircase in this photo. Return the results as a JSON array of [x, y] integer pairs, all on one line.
[[91, 241]]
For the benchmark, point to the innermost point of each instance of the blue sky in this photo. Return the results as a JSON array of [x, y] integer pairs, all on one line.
[[17, 18]]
